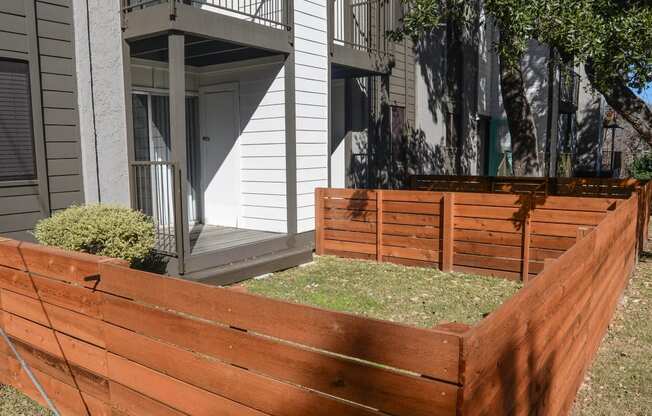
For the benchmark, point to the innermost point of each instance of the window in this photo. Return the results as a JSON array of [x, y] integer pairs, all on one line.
[[17, 159]]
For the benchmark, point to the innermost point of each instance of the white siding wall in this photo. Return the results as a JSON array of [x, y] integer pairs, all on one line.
[[261, 82], [262, 140], [311, 67]]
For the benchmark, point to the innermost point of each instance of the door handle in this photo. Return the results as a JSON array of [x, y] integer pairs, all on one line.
[[206, 139]]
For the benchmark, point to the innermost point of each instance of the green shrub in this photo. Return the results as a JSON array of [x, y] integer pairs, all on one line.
[[104, 230], [642, 167]]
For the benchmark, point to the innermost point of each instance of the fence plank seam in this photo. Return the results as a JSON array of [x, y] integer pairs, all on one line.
[[379, 225], [448, 221]]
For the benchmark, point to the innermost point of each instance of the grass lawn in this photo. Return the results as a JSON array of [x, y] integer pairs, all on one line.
[[411, 295], [620, 380]]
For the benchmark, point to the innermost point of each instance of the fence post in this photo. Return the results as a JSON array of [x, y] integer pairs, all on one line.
[[547, 262], [319, 221], [447, 224], [525, 252], [525, 267], [379, 225], [581, 233]]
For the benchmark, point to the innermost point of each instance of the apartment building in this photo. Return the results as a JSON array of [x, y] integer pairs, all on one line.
[[220, 118]]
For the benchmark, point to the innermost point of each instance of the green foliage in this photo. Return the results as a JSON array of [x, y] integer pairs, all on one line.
[[642, 167], [104, 230], [613, 35]]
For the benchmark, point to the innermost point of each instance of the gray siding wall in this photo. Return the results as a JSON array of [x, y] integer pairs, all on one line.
[[42, 33], [402, 80]]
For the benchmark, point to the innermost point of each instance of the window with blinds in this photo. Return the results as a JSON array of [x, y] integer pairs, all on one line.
[[17, 160]]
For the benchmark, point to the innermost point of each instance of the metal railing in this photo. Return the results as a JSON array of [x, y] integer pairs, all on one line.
[[362, 24], [156, 194], [569, 87], [272, 13]]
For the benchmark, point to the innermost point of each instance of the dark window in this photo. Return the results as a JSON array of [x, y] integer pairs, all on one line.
[[17, 160]]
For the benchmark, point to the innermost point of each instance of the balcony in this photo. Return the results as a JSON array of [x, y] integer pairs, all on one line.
[[256, 24], [569, 89], [358, 42]]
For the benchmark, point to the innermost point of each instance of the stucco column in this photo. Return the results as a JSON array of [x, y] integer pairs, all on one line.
[[177, 71]]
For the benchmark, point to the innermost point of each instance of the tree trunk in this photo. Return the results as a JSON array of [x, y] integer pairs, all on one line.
[[623, 100], [522, 129]]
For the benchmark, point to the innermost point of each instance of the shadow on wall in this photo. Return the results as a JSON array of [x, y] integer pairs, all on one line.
[[387, 163], [589, 121]]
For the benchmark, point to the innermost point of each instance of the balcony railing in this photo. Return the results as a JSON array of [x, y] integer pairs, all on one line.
[[157, 195], [272, 13], [569, 88], [362, 24]]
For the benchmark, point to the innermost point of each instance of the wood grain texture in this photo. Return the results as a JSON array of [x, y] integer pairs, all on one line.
[[135, 343], [485, 227], [534, 362]]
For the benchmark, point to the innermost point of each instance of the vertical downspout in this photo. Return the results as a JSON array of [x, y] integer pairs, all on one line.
[[90, 66]]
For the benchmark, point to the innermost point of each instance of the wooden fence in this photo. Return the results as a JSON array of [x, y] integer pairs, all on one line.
[[601, 187], [509, 236], [104, 339], [576, 187], [530, 356]]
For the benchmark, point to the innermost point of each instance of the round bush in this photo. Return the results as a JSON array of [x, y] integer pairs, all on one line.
[[104, 230]]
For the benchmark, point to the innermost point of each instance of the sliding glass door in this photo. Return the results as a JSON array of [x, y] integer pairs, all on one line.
[[152, 143]]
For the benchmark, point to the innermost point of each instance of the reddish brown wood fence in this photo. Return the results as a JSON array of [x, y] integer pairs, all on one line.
[[576, 187], [500, 235], [602, 187], [530, 356], [104, 339]]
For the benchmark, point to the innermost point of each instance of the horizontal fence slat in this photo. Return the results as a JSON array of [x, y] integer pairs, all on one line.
[[568, 307], [412, 253], [57, 344], [352, 215], [346, 225], [51, 262], [337, 332], [352, 194], [409, 396], [55, 292], [411, 207], [350, 204], [172, 392], [286, 362], [65, 321], [64, 371], [352, 236], [411, 242], [133, 403], [335, 245], [411, 219], [68, 399]]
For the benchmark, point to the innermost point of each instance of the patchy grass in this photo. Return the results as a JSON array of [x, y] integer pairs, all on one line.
[[14, 403], [412, 295], [619, 382]]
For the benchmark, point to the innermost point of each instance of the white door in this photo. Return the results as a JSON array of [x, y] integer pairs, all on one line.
[[220, 155]]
